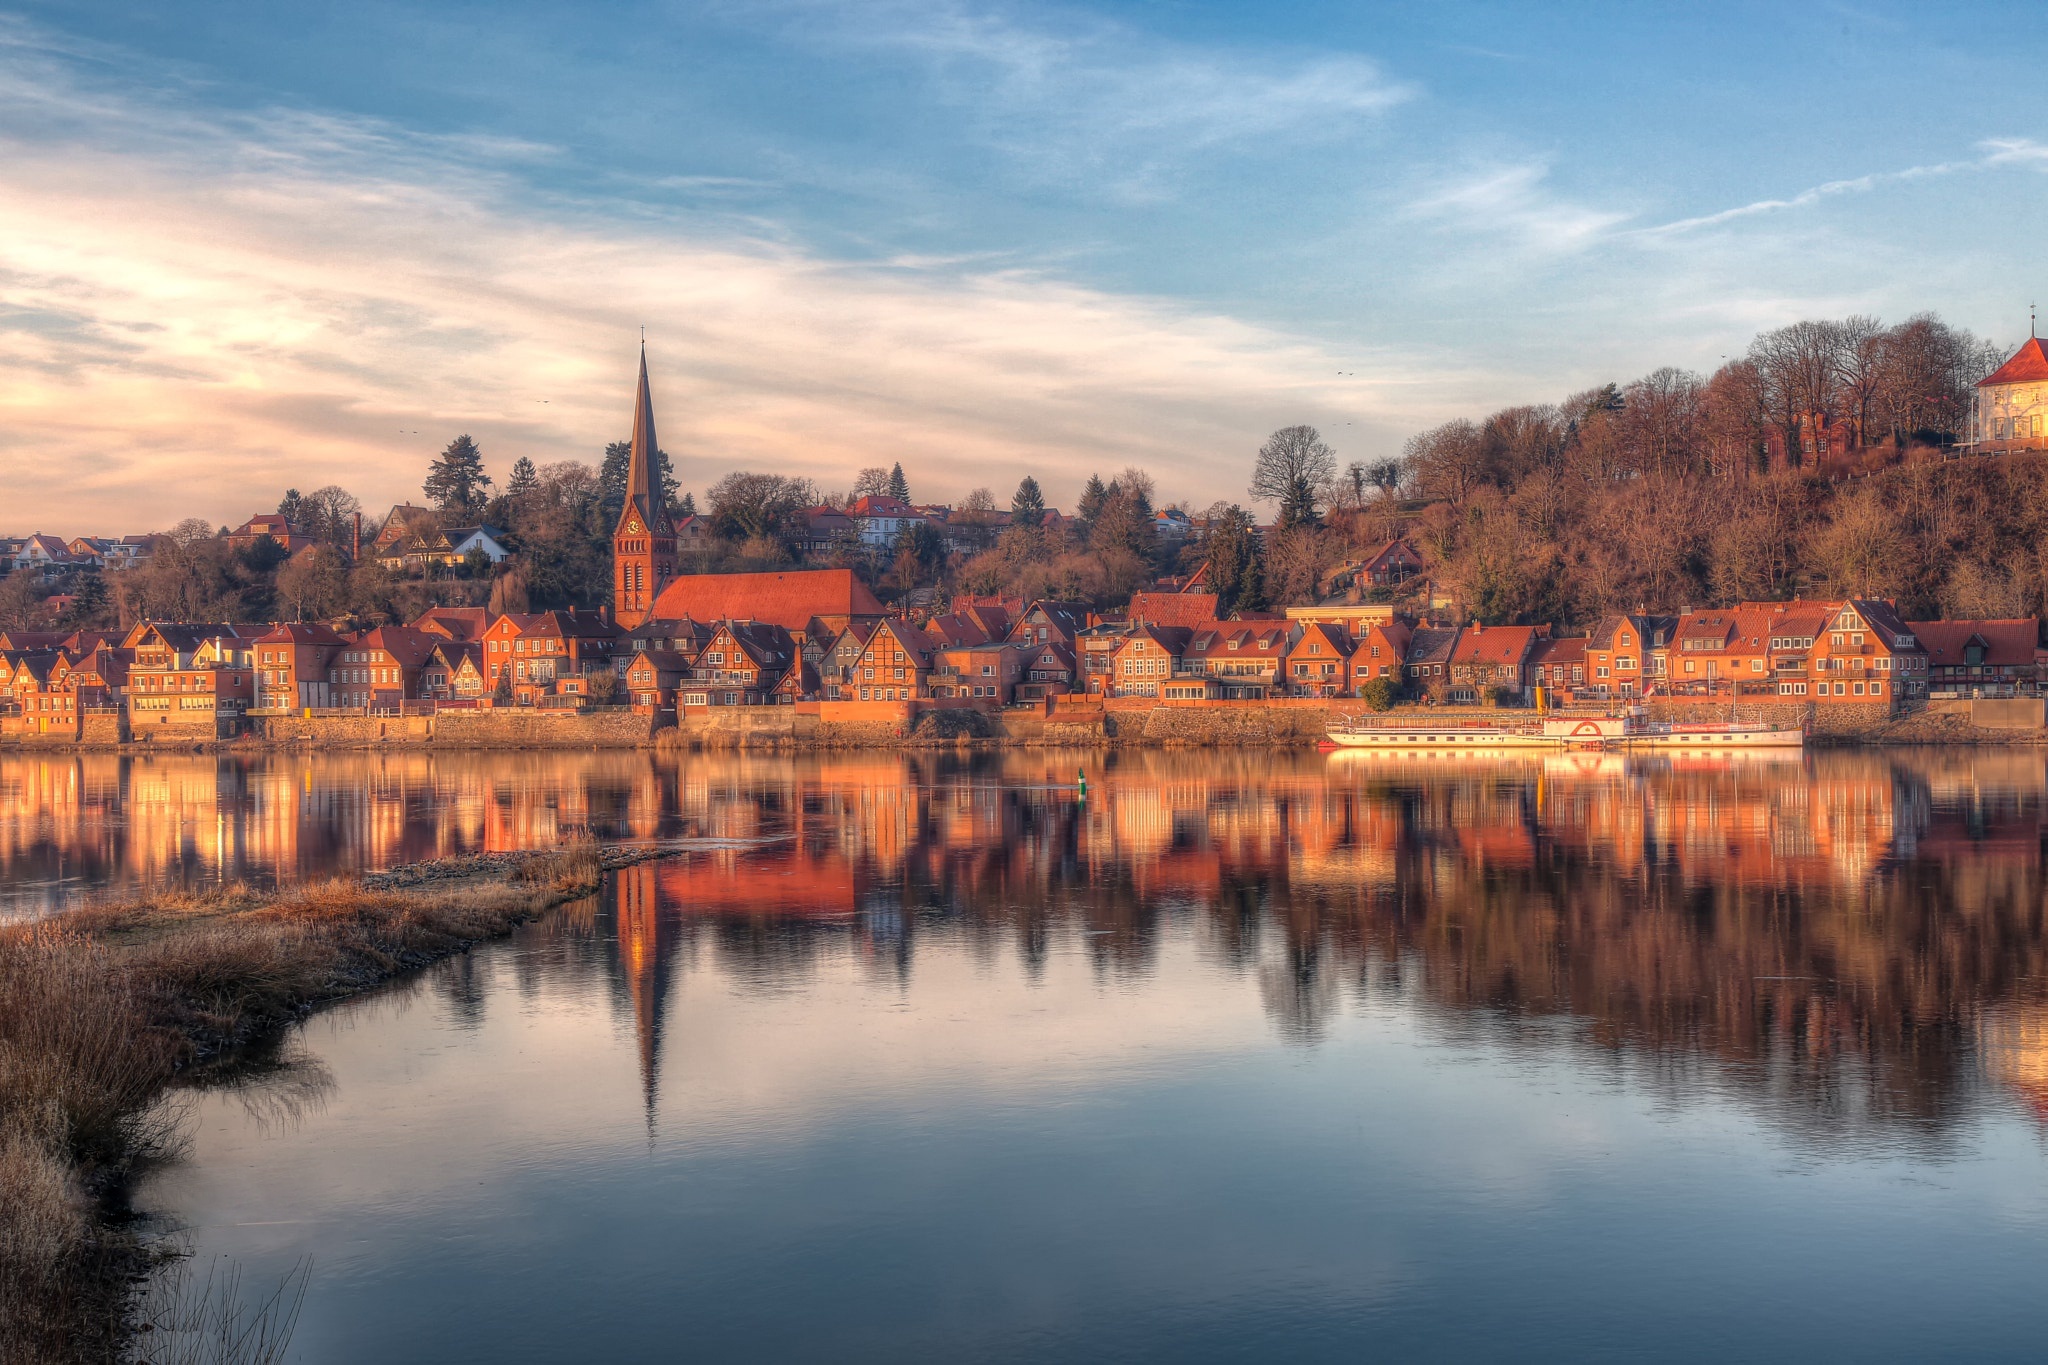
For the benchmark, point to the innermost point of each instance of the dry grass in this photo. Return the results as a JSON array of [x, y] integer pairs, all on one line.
[[99, 1011]]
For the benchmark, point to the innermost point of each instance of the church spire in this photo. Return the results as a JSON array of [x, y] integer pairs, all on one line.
[[643, 470], [644, 541]]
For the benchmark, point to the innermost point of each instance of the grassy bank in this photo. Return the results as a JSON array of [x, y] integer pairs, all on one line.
[[101, 1009]]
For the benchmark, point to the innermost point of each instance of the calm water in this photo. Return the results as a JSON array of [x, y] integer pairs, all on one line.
[[1242, 1057]]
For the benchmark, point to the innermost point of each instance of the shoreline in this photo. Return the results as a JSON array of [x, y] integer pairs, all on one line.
[[105, 1008]]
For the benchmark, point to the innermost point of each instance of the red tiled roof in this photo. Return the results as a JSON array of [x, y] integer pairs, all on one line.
[[2029, 364], [2007, 643], [788, 599], [1494, 644], [1190, 609], [407, 647], [1552, 650]]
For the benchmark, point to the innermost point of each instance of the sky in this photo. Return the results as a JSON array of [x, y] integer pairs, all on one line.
[[251, 246]]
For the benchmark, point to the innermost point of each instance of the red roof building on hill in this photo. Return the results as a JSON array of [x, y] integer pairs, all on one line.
[[789, 600], [1968, 654]]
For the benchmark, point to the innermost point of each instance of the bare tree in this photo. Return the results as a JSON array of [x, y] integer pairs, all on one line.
[[1448, 462], [1294, 468], [870, 482]]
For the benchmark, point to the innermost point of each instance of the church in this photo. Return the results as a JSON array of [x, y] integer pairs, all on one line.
[[646, 585]]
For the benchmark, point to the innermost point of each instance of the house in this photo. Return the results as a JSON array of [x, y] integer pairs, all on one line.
[[1045, 670], [401, 524], [294, 666], [1558, 665], [189, 681], [1171, 526], [654, 675], [547, 653], [799, 683], [487, 541], [986, 672], [969, 626], [1867, 654], [1239, 661], [836, 668], [272, 525], [789, 598], [45, 555], [1987, 658], [381, 668], [1094, 652], [741, 665], [1147, 659], [1618, 651], [882, 518], [1319, 660], [894, 665], [1429, 660], [455, 671], [1380, 653], [1721, 650], [1046, 620], [1491, 660], [2011, 402], [828, 530], [1391, 565]]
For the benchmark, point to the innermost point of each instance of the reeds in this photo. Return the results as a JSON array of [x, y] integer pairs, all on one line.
[[99, 1010]]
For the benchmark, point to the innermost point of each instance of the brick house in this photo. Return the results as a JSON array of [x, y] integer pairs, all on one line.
[[294, 662], [1318, 660], [985, 672], [1046, 620], [1380, 653], [1492, 659], [1391, 565], [1558, 666], [201, 691], [1867, 653], [1618, 651], [287, 536], [381, 668], [1047, 670]]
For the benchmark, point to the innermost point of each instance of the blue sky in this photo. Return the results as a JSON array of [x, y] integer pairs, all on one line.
[[261, 244]]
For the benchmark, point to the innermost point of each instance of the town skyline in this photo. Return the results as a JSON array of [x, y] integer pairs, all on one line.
[[238, 258]]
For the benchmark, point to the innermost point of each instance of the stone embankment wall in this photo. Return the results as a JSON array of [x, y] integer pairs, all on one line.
[[508, 729]]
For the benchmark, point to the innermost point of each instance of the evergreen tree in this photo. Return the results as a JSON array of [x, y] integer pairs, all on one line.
[[293, 509], [1027, 508], [899, 487], [687, 505], [1237, 572], [525, 479], [1092, 494], [89, 601], [456, 480]]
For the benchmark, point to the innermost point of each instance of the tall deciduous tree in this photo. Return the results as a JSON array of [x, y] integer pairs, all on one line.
[[1293, 468]]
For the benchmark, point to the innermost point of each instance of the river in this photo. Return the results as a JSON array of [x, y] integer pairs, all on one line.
[[1234, 1056]]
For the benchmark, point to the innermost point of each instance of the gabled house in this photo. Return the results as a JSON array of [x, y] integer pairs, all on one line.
[[381, 668], [1429, 660], [882, 518], [1046, 620], [1319, 660], [1488, 660], [837, 669], [1867, 654], [1991, 657], [986, 672], [741, 664], [271, 524], [1381, 652], [1043, 670], [1147, 659], [1240, 661], [1558, 665], [295, 665], [894, 665], [1391, 565], [653, 677], [1619, 650]]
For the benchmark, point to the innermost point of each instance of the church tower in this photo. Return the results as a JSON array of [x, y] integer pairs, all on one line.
[[644, 541]]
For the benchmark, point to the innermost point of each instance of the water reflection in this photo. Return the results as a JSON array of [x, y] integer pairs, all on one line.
[[1235, 1056]]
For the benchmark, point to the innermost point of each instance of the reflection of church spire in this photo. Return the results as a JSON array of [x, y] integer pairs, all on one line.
[[643, 960]]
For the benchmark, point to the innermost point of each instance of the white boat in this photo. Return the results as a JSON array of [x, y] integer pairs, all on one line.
[[1709, 737], [1561, 732], [1461, 736]]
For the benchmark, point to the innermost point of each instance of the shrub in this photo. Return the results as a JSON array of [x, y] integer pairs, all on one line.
[[1379, 694]]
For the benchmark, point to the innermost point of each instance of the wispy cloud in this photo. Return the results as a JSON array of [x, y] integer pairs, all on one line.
[[1516, 201], [198, 309], [1088, 94]]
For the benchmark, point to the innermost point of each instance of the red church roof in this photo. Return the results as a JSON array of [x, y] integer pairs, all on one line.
[[2029, 364], [788, 600]]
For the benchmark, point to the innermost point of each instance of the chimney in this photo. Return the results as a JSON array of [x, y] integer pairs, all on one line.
[[355, 545]]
